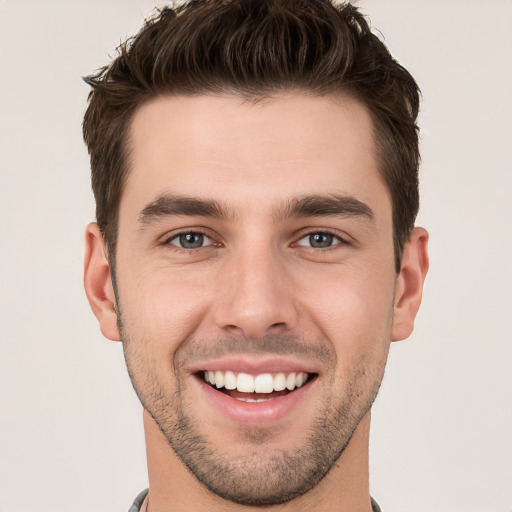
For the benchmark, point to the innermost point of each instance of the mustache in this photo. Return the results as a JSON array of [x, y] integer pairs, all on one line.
[[281, 345]]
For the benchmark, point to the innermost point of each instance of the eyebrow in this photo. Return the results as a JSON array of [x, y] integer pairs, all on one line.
[[171, 205], [325, 206], [306, 206]]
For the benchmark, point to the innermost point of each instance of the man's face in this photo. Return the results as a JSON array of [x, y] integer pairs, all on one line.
[[255, 249]]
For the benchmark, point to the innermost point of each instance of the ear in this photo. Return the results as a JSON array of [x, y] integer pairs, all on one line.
[[409, 284], [98, 283]]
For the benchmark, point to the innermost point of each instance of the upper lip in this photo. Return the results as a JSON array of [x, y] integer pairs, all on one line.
[[254, 365]]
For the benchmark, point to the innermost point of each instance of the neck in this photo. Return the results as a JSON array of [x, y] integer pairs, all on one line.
[[344, 489]]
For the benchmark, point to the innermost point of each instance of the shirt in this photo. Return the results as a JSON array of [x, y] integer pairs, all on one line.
[[140, 504]]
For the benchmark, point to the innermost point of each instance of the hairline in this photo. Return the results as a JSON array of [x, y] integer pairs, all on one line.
[[255, 97]]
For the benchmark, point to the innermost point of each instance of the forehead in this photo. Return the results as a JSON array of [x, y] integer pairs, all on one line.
[[244, 152]]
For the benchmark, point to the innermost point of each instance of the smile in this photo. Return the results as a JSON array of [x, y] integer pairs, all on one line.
[[255, 388]]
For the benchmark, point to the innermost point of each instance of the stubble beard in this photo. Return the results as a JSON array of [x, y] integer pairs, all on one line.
[[259, 476]]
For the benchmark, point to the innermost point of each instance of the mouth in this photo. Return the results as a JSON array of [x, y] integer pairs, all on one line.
[[263, 387]]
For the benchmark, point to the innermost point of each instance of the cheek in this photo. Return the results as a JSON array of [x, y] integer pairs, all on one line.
[[353, 311], [162, 307], [356, 320]]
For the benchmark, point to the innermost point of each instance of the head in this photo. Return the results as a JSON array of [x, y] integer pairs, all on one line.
[[255, 170], [288, 46]]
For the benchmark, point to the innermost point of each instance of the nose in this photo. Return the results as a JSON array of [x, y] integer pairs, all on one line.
[[257, 295]]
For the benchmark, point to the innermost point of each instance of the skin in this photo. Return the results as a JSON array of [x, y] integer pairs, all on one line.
[[258, 291]]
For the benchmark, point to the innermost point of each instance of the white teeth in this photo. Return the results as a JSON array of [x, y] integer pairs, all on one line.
[[262, 383], [245, 383], [230, 380], [219, 379], [279, 382]]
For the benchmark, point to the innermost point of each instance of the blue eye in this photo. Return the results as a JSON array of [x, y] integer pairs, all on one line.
[[319, 240], [190, 240]]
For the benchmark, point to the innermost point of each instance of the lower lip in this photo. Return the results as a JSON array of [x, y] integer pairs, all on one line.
[[255, 413]]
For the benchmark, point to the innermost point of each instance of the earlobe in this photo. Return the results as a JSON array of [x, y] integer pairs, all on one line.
[[409, 284], [98, 283]]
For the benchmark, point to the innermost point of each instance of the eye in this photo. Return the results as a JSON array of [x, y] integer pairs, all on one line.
[[190, 240], [320, 240]]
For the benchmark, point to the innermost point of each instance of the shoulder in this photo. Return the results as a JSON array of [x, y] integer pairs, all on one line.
[[375, 506], [138, 501]]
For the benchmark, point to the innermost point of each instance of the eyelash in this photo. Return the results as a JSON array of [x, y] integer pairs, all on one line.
[[341, 241], [176, 236]]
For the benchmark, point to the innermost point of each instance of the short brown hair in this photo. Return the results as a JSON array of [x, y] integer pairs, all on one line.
[[255, 48]]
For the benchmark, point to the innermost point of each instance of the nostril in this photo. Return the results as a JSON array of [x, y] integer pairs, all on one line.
[[233, 329]]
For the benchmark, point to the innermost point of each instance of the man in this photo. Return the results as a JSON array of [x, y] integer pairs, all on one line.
[[255, 170]]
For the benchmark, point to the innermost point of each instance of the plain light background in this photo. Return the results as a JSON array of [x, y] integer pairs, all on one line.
[[70, 425]]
